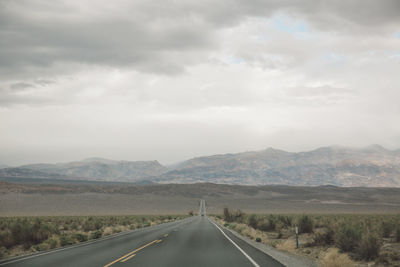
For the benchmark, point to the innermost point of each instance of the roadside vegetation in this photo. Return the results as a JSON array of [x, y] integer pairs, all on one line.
[[330, 239], [21, 235]]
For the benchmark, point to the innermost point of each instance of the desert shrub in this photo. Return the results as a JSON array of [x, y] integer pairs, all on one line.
[[238, 216], [397, 235], [335, 259], [258, 239], [80, 237], [226, 224], [124, 221], [260, 224], [117, 230], [274, 243], [272, 222], [325, 238], [3, 251], [52, 243], [92, 224], [227, 215], [66, 240], [6, 240], [386, 228], [88, 226], [42, 247], [268, 224], [252, 221], [95, 234], [280, 235], [305, 224], [285, 220], [42, 233], [74, 226], [347, 237], [368, 248], [25, 233]]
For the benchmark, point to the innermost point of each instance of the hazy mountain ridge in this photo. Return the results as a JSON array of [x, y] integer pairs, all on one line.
[[342, 166], [28, 173], [101, 169], [3, 166], [335, 165]]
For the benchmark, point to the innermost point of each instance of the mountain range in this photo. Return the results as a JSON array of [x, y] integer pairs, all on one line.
[[372, 166]]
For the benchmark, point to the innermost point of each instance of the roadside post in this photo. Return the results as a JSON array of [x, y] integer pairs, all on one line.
[[297, 237]]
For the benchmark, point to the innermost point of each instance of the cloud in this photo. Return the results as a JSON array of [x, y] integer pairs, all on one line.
[[230, 75], [20, 86], [155, 37]]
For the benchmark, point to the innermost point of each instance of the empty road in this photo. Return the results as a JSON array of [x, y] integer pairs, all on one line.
[[194, 241]]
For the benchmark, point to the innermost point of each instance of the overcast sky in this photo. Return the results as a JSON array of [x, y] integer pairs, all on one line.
[[169, 80]]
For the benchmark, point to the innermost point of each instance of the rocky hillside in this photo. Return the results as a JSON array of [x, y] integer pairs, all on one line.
[[90, 169], [28, 173], [342, 166], [369, 166], [2, 166]]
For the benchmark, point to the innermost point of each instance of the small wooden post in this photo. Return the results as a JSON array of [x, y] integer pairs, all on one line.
[[297, 237]]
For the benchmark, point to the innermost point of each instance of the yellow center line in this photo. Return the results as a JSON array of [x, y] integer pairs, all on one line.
[[130, 257], [130, 253], [158, 241]]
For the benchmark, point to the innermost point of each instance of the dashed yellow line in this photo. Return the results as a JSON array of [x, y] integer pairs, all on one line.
[[130, 257], [130, 253]]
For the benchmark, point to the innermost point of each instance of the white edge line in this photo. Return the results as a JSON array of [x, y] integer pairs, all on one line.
[[241, 250], [83, 244]]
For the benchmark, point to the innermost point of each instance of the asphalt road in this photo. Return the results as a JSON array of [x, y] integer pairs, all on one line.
[[194, 241]]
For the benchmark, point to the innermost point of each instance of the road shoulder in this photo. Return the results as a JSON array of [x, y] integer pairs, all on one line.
[[283, 257]]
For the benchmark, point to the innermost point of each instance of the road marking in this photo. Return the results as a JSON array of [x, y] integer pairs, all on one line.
[[90, 242], [158, 241], [130, 257], [241, 250], [130, 253]]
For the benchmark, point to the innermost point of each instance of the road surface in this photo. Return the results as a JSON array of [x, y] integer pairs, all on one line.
[[195, 241]]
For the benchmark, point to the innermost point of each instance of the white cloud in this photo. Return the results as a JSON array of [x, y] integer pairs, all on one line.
[[144, 80]]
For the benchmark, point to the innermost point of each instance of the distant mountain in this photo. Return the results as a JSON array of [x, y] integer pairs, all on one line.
[[372, 166], [91, 169], [28, 173], [2, 166], [341, 166]]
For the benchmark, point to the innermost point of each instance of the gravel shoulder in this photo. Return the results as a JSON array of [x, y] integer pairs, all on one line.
[[283, 257]]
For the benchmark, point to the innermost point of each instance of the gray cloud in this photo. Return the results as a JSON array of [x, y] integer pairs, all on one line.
[[121, 76], [155, 37], [21, 86]]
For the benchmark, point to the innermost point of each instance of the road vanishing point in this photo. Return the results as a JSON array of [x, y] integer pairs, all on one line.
[[194, 241]]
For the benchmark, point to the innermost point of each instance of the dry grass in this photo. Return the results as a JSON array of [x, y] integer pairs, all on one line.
[[246, 231], [367, 238], [108, 231], [287, 245], [332, 258], [21, 235]]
